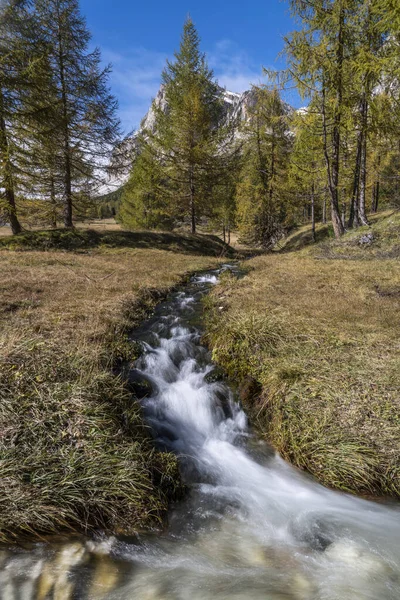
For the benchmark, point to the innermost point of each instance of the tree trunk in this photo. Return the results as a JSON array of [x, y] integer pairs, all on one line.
[[375, 201], [378, 185], [336, 221], [8, 183], [229, 232], [314, 239], [67, 189], [53, 204], [362, 217], [353, 218], [333, 165], [67, 150], [192, 203], [344, 214], [224, 232], [324, 211]]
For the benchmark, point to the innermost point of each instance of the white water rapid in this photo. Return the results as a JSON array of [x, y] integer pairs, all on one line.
[[252, 528]]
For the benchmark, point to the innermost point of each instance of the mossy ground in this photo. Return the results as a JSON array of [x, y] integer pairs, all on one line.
[[75, 454], [316, 331]]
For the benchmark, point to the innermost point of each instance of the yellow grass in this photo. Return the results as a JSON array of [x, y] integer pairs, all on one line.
[[74, 452], [319, 339]]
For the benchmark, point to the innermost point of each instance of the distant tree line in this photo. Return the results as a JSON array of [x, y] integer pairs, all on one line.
[[58, 121]]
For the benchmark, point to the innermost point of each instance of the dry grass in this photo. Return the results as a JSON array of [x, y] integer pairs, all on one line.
[[74, 451], [320, 339], [97, 224]]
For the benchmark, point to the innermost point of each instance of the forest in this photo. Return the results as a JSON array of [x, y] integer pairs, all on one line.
[[262, 173]]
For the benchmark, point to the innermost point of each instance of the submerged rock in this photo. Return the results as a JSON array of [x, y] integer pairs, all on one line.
[[217, 374], [353, 555], [105, 577], [138, 384], [55, 575]]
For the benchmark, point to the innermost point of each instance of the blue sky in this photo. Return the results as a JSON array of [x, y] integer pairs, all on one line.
[[137, 38]]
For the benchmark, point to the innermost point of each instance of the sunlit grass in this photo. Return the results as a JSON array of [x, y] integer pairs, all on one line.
[[75, 454], [319, 338]]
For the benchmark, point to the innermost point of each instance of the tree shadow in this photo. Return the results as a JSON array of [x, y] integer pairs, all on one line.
[[304, 238], [78, 239]]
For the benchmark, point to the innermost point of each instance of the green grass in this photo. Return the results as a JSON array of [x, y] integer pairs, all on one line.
[[312, 334], [75, 453]]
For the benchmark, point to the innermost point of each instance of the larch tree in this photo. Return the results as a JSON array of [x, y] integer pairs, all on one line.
[[307, 173], [261, 193], [19, 66], [85, 120], [319, 62], [143, 203], [188, 139]]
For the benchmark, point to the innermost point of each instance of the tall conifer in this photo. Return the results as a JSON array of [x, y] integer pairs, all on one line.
[[188, 137], [17, 65], [86, 119]]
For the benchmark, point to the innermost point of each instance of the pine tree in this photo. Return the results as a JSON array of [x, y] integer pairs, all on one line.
[[188, 139], [85, 121], [307, 171]]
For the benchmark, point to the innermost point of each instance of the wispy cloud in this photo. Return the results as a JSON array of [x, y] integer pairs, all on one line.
[[136, 76], [233, 67], [135, 80]]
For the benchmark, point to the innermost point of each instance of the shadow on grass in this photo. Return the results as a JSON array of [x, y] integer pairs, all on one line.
[[75, 240], [303, 238]]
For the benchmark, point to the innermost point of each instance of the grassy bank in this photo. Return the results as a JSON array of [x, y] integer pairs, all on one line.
[[312, 334], [75, 455]]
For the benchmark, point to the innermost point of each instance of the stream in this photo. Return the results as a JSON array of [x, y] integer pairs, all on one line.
[[252, 526]]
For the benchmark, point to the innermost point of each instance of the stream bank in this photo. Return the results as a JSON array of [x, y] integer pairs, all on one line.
[[251, 528], [313, 337], [76, 454]]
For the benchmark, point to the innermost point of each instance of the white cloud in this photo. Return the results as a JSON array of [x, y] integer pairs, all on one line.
[[233, 67], [136, 76], [135, 80]]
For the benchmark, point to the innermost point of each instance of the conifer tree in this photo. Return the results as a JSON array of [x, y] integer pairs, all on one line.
[[188, 139], [262, 188], [17, 60], [307, 172], [319, 60], [86, 119], [143, 203]]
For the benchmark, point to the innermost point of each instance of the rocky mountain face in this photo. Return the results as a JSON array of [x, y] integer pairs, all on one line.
[[236, 108]]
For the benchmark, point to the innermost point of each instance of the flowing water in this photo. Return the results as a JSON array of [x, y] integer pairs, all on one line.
[[252, 527]]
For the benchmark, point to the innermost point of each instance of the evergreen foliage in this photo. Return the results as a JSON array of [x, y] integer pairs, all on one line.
[[262, 199], [344, 58], [58, 120], [58, 127], [143, 200], [18, 67], [86, 120], [188, 153]]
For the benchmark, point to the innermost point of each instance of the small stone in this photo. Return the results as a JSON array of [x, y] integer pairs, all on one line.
[[367, 239]]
